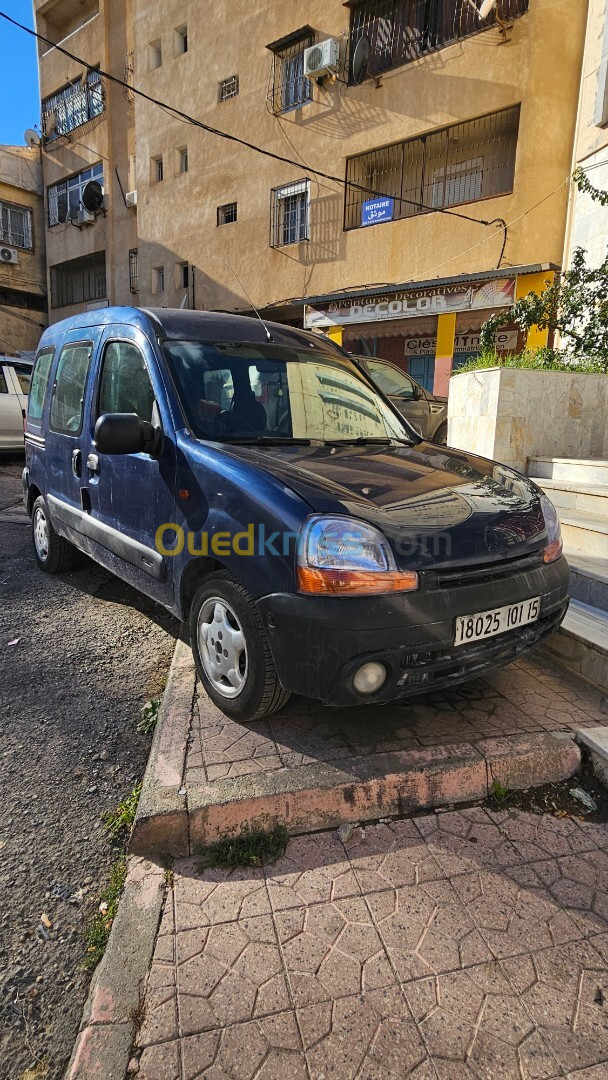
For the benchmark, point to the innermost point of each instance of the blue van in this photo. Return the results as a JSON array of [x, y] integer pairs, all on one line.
[[252, 479]]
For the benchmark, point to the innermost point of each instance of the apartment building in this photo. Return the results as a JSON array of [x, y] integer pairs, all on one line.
[[414, 177], [88, 153], [23, 305]]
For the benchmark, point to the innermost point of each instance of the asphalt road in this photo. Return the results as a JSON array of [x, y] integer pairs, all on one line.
[[88, 652]]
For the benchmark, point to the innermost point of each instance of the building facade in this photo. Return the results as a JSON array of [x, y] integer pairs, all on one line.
[[412, 183], [88, 152], [23, 302]]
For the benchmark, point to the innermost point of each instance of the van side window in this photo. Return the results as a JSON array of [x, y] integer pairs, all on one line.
[[40, 381], [68, 392], [125, 385]]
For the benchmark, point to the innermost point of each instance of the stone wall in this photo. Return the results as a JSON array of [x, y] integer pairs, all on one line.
[[511, 414]]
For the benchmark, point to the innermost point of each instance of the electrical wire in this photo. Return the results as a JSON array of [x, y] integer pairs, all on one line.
[[179, 114]]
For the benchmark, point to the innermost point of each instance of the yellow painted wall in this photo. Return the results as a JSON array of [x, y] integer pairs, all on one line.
[[21, 185], [534, 283]]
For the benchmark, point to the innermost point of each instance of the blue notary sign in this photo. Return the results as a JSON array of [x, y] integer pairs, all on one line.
[[376, 210]]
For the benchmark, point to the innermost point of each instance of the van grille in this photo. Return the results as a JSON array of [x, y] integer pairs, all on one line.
[[454, 576]]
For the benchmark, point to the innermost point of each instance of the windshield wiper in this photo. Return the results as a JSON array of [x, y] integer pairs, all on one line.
[[264, 440], [364, 440]]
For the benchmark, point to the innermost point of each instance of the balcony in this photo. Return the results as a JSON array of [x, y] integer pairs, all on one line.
[[73, 106]]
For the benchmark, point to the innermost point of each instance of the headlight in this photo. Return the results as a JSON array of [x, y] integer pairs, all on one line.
[[340, 555], [554, 547]]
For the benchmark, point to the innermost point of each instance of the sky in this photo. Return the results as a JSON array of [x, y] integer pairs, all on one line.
[[19, 99]]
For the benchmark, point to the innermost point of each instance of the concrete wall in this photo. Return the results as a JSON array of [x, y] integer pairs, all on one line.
[[21, 185], [538, 66], [510, 414]]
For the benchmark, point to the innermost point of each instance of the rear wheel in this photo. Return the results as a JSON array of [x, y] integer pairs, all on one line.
[[53, 554], [232, 652]]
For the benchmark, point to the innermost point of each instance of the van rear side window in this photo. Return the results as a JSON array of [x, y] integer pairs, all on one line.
[[40, 381], [68, 392]]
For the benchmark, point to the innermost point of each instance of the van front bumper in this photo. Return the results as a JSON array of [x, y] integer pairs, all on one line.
[[319, 643]]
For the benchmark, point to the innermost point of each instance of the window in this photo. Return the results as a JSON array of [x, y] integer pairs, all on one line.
[[74, 105], [458, 164], [133, 270], [68, 392], [289, 88], [399, 31], [17, 298], [24, 377], [39, 384], [16, 226], [181, 40], [290, 214], [125, 385], [227, 214], [79, 280], [183, 275], [229, 88], [393, 383], [159, 279], [183, 159], [158, 171], [64, 200], [3, 386], [155, 54]]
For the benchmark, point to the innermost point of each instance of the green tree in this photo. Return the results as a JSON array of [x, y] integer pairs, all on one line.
[[575, 303]]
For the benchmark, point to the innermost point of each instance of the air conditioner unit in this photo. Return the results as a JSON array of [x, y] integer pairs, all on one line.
[[322, 59], [131, 199], [84, 217], [8, 255]]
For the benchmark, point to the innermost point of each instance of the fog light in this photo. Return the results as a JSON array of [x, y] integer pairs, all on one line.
[[369, 678]]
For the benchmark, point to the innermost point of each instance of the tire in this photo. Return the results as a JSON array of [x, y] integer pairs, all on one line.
[[231, 650], [53, 554], [441, 435]]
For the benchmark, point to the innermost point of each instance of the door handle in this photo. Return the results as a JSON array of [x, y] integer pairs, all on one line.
[[77, 463], [93, 463]]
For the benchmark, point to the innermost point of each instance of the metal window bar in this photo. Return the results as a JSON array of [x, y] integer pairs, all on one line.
[[229, 88], [465, 162], [64, 199], [289, 87], [15, 226], [133, 270], [227, 214], [79, 280], [290, 214], [73, 106], [399, 31]]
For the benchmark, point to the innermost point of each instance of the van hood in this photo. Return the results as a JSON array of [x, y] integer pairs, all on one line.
[[435, 505]]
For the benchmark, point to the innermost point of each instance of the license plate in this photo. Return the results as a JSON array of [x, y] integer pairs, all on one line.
[[485, 624]]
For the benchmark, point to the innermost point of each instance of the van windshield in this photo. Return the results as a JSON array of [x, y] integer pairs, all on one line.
[[240, 392]]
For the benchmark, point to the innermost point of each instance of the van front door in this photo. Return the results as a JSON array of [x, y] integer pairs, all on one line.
[[130, 495]]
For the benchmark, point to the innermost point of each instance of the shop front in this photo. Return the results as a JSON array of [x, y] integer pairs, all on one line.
[[430, 328]]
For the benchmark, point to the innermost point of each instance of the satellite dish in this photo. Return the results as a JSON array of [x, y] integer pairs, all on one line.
[[486, 7], [360, 61], [31, 137], [92, 196]]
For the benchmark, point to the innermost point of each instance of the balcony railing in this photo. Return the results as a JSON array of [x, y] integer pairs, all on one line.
[[399, 31], [73, 106]]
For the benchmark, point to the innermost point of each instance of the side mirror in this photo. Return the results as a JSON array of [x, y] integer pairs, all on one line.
[[418, 395], [123, 433]]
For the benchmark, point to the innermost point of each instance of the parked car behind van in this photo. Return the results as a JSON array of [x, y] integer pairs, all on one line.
[[252, 479], [15, 375], [426, 412]]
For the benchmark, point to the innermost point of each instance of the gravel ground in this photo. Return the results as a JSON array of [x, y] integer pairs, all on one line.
[[90, 653]]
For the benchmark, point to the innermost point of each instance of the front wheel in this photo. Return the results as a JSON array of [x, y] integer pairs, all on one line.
[[53, 554], [232, 652], [441, 435]]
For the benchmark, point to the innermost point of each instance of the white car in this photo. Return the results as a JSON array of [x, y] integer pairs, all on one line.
[[15, 377]]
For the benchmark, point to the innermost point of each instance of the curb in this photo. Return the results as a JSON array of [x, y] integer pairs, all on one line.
[[161, 822], [109, 1020], [322, 795]]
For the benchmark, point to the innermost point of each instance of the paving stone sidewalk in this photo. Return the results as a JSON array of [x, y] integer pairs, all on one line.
[[463, 944]]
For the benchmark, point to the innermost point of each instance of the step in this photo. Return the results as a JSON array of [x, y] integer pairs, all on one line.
[[581, 643], [575, 495], [583, 470], [588, 578], [585, 532]]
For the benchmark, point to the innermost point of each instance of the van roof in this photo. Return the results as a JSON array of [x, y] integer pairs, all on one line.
[[177, 324]]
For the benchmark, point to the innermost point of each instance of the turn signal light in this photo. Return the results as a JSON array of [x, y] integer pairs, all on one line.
[[553, 551], [327, 582]]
